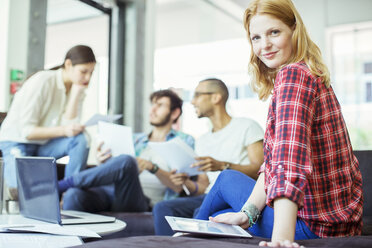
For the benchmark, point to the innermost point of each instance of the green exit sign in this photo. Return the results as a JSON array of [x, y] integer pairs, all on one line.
[[16, 75]]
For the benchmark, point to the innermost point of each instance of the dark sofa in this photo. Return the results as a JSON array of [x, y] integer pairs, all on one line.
[[140, 224], [194, 242]]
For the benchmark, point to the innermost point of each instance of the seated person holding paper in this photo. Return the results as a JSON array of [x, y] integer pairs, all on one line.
[[125, 183], [44, 117], [233, 143]]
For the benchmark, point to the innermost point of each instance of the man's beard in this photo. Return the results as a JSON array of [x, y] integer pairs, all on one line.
[[162, 122], [203, 114]]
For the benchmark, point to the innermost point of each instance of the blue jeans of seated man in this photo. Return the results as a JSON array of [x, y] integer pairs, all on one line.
[[179, 207], [230, 192], [111, 186], [75, 147]]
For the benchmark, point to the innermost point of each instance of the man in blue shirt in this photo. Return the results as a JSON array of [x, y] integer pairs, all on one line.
[[125, 183]]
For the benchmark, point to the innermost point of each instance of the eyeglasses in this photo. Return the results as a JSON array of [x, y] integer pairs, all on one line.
[[197, 94]]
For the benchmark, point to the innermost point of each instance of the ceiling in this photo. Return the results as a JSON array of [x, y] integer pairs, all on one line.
[[60, 11], [177, 22]]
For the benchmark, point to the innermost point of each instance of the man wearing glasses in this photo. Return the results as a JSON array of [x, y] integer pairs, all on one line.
[[233, 143]]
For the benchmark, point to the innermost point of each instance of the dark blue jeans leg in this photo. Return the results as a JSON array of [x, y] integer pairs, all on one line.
[[90, 200], [230, 192], [179, 207], [10, 150], [125, 192]]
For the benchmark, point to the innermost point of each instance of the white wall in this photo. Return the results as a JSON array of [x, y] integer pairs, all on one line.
[[318, 15], [347, 11], [14, 15], [188, 22], [61, 37]]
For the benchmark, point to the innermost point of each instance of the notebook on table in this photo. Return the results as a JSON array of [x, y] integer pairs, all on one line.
[[38, 194]]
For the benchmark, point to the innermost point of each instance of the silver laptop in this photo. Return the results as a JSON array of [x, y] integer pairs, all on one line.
[[38, 194]]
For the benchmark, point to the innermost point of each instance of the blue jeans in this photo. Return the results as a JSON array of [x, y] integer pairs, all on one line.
[[75, 147], [111, 186], [230, 192], [180, 207]]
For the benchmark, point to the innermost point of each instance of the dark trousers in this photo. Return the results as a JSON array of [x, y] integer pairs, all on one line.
[[112, 186]]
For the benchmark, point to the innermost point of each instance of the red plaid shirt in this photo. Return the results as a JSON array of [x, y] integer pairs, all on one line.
[[308, 155]]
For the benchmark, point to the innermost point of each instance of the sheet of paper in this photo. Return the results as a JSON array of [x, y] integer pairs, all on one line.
[[98, 117], [118, 138], [36, 240], [177, 154], [50, 229]]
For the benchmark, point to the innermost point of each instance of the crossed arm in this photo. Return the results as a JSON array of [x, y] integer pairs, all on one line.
[[70, 113]]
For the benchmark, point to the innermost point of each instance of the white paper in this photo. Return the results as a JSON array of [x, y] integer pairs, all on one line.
[[98, 117], [50, 229], [33, 240], [118, 138], [177, 154]]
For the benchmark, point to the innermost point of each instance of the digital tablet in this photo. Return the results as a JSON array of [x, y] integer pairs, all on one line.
[[205, 227]]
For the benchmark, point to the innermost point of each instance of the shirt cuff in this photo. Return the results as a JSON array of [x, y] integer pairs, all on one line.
[[283, 188]]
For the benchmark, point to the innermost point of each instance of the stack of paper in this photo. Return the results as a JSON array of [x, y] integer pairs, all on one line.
[[42, 235], [50, 229], [33, 240]]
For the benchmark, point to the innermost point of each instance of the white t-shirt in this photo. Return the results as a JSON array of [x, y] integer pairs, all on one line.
[[229, 144], [40, 102]]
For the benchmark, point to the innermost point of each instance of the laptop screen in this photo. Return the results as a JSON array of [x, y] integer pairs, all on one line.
[[37, 188]]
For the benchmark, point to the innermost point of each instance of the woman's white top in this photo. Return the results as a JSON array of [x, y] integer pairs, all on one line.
[[40, 102]]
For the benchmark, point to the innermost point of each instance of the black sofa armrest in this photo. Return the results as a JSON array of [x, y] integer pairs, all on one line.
[[365, 166]]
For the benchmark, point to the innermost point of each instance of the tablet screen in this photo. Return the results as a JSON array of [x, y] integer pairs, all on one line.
[[205, 227]]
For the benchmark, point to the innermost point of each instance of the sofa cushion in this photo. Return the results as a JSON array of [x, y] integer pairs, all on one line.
[[193, 242], [138, 224]]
